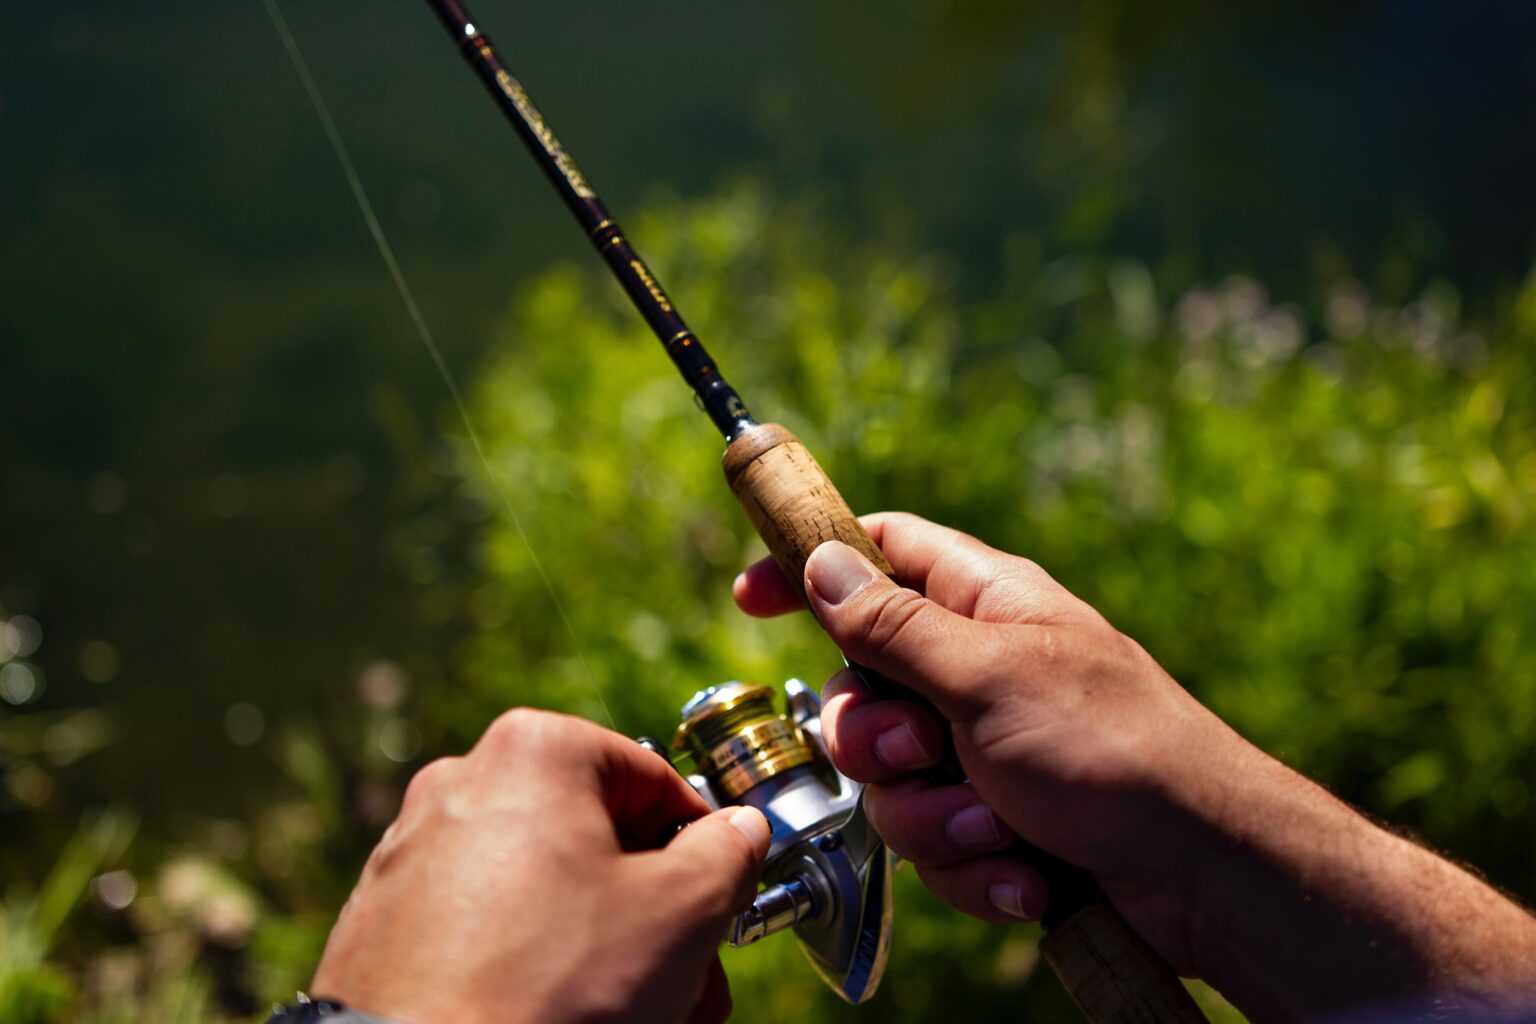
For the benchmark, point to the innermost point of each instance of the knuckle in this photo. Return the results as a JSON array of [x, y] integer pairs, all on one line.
[[727, 885], [743, 867], [1136, 657], [1030, 566], [844, 683], [382, 854], [715, 892], [890, 616], [877, 808], [899, 519], [899, 817], [834, 734], [890, 816], [427, 781], [850, 741], [516, 728]]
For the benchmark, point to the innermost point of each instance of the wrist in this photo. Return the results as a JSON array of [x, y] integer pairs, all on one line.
[[1212, 800], [1282, 850]]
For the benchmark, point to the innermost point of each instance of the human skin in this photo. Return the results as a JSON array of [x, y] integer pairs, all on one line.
[[1235, 868], [534, 880]]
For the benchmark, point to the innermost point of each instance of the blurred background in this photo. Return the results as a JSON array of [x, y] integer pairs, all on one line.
[[1225, 314]]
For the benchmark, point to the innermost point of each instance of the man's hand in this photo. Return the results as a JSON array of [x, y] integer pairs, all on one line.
[[1231, 866], [1069, 733], [533, 880]]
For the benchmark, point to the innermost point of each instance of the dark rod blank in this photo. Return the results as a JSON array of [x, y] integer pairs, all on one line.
[[717, 398]]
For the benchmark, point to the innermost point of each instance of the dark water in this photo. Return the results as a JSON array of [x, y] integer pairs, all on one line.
[[216, 425]]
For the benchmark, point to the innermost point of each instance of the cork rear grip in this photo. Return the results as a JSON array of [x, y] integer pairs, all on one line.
[[1112, 975], [791, 501]]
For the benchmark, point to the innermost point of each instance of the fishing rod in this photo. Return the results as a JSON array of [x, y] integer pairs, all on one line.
[[717, 398], [827, 873]]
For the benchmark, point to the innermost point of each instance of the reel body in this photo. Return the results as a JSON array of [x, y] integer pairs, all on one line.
[[828, 875]]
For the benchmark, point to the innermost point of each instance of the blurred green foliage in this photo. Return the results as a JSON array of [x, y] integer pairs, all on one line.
[[266, 588], [1321, 525], [1322, 529]]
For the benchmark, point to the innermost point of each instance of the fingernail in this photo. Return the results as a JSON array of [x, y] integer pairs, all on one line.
[[900, 748], [976, 826], [836, 571], [749, 821], [1007, 897]]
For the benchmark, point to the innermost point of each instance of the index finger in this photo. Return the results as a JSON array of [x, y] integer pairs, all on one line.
[[644, 796], [915, 545]]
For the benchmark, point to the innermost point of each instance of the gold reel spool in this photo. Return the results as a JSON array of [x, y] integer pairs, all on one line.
[[737, 739]]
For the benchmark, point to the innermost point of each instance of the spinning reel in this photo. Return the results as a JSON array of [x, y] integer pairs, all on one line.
[[827, 876]]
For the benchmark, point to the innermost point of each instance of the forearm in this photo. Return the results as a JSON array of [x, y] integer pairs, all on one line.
[[1308, 911]]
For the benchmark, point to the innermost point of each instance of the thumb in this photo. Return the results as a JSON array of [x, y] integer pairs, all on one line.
[[722, 856], [899, 632]]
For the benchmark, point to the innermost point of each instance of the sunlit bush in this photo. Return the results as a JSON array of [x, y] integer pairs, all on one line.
[[1321, 528], [1320, 523]]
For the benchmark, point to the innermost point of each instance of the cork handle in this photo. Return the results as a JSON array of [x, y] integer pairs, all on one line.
[[790, 500], [1112, 975]]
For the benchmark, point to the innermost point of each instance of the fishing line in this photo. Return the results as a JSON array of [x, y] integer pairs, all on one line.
[[387, 253]]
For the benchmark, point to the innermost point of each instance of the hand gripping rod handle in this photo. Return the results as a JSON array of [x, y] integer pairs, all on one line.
[[1112, 974]]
